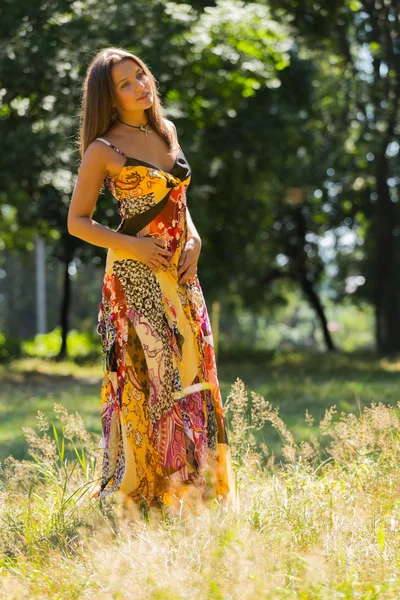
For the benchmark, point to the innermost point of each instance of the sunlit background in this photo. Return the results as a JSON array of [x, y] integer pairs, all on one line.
[[288, 114], [287, 111]]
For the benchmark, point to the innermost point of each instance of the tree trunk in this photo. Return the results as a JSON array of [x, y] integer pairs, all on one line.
[[386, 276], [311, 295], [385, 90], [301, 273], [316, 303], [64, 316]]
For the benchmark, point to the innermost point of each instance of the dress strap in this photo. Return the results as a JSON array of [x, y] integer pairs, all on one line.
[[111, 146]]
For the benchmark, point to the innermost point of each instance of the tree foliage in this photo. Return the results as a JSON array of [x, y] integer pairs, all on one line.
[[287, 112]]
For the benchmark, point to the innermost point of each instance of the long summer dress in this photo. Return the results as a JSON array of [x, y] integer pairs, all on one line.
[[164, 438]]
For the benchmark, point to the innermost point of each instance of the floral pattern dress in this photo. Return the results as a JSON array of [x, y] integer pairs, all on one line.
[[163, 431]]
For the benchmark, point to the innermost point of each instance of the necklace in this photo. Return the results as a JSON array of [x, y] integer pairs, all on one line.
[[141, 127]]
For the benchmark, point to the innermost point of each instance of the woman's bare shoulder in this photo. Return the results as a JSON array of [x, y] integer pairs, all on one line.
[[97, 159], [97, 149]]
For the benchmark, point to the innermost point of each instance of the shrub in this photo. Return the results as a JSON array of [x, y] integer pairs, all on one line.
[[10, 348]]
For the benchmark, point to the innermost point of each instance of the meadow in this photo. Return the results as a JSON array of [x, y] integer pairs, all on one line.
[[316, 445]]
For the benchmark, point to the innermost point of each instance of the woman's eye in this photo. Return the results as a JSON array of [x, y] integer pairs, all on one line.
[[138, 75]]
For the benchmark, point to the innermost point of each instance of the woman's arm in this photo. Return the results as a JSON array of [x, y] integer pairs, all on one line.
[[187, 267], [91, 173], [192, 231]]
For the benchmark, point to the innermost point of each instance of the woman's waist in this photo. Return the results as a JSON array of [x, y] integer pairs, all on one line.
[[165, 215], [114, 254]]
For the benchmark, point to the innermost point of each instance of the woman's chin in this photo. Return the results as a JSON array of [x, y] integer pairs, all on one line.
[[143, 104]]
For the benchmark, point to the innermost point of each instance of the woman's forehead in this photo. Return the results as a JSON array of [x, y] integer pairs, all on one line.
[[123, 69]]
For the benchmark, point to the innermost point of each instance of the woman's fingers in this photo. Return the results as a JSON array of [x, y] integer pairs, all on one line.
[[183, 265], [161, 247], [188, 274], [187, 269], [158, 262], [160, 256], [183, 257], [183, 270]]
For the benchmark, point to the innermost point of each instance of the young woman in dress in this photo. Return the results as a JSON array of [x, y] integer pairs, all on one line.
[[164, 438]]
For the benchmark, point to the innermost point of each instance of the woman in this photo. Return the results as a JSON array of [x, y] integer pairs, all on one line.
[[164, 436]]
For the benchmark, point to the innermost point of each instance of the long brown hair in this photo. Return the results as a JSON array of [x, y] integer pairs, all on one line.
[[98, 96]]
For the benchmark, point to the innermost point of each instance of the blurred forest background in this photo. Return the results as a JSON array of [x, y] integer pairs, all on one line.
[[287, 111]]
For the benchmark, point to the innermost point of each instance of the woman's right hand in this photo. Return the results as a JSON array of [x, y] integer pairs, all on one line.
[[150, 251]]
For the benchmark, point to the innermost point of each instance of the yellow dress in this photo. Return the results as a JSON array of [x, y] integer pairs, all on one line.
[[163, 430]]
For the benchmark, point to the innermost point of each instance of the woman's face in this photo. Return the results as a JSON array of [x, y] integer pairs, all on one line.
[[131, 84]]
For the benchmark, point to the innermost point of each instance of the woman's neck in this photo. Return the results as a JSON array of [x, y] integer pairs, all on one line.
[[135, 119]]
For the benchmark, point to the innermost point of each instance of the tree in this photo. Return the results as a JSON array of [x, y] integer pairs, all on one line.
[[365, 33]]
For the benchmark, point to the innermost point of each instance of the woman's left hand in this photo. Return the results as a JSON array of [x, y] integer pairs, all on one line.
[[187, 267]]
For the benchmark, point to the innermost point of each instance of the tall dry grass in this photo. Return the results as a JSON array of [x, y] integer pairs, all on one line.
[[323, 523]]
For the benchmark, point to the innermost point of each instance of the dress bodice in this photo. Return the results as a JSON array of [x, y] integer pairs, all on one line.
[[144, 192]]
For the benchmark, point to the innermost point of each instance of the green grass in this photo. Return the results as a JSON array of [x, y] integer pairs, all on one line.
[[293, 382], [308, 528], [296, 382], [30, 385]]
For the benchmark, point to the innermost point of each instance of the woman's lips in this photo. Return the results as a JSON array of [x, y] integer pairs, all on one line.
[[144, 97]]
